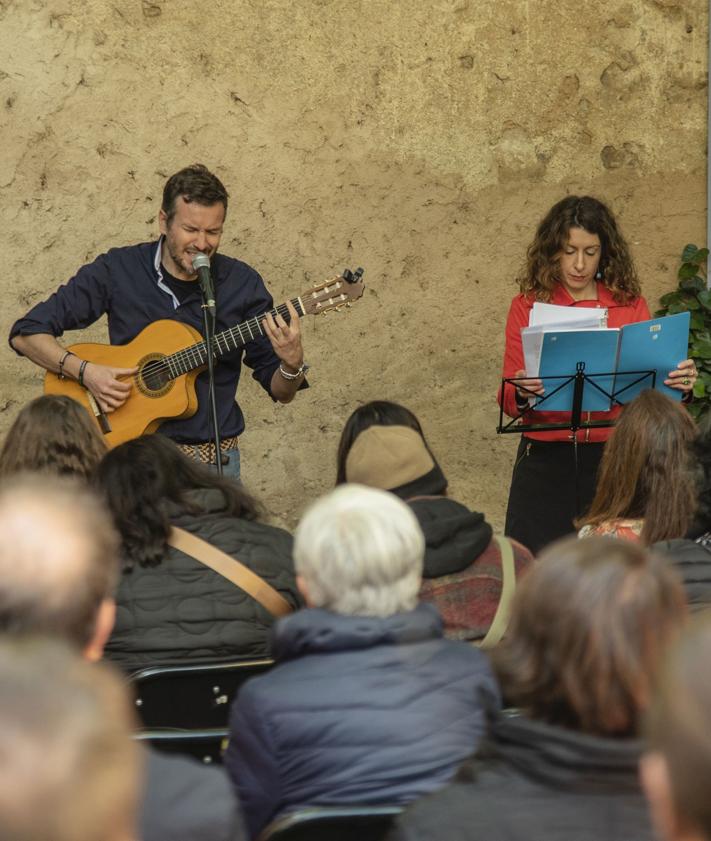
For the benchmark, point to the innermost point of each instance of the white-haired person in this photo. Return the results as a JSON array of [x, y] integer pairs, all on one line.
[[676, 769], [368, 703]]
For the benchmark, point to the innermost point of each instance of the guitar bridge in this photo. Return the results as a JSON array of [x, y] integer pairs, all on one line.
[[101, 417]]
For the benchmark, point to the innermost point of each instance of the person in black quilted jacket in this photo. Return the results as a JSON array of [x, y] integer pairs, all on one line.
[[368, 703], [171, 608]]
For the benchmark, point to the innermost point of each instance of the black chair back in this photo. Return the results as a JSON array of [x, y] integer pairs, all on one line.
[[185, 709], [333, 823], [191, 697]]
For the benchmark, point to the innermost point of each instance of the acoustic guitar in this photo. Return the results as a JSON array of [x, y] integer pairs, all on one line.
[[169, 355]]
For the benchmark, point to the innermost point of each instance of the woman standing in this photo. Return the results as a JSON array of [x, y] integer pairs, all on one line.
[[578, 258]]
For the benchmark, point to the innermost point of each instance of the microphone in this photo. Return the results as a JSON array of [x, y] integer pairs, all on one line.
[[201, 264]]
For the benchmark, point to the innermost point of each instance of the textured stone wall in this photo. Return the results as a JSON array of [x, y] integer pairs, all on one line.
[[422, 140]]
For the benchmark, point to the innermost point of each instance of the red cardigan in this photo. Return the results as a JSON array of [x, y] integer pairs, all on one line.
[[519, 313]]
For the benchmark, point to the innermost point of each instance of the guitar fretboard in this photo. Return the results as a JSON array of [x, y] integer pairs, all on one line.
[[229, 340]]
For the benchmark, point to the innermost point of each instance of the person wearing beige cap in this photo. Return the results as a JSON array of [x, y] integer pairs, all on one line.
[[383, 446]]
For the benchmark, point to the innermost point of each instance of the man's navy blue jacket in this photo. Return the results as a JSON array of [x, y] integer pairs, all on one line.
[[127, 285]]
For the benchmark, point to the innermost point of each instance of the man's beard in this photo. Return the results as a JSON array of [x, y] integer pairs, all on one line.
[[179, 260]]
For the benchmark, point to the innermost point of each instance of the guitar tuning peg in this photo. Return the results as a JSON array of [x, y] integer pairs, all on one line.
[[349, 305]]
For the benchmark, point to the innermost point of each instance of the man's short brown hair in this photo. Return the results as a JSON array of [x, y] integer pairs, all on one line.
[[59, 557], [195, 184]]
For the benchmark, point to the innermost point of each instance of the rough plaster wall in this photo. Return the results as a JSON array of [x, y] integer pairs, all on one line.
[[422, 140]]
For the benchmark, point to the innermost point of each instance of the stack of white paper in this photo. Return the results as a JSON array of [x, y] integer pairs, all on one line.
[[561, 318], [553, 318]]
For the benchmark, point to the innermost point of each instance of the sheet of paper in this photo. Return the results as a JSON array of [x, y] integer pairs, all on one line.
[[532, 341], [556, 317]]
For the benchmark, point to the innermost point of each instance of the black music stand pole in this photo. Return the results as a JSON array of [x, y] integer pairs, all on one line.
[[576, 414], [208, 322]]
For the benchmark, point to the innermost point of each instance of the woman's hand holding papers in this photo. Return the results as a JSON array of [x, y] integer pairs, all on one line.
[[526, 388], [683, 377]]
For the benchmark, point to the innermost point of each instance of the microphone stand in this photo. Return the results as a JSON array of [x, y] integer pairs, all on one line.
[[208, 321]]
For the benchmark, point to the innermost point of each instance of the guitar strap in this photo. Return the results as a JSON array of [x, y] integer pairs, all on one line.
[[231, 569], [508, 585]]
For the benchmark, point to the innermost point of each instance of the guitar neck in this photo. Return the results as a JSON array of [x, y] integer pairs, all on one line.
[[227, 341]]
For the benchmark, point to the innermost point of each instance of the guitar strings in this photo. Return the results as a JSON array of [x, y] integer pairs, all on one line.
[[194, 353]]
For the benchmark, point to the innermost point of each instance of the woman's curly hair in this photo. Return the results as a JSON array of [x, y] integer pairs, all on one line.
[[541, 272]]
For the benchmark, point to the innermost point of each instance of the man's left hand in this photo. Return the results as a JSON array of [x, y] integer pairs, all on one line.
[[285, 338]]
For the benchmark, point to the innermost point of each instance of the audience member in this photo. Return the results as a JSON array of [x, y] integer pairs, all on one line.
[[52, 434], [171, 607], [590, 622], [646, 489], [69, 770], [677, 767], [59, 561], [367, 703], [691, 554], [383, 446]]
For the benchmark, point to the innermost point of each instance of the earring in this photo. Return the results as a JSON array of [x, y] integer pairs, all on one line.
[[598, 274]]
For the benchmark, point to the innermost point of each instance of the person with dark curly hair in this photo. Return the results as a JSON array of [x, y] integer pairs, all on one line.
[[52, 434], [171, 608], [578, 258]]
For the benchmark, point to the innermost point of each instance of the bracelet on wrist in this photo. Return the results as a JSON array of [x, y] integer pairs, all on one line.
[[82, 367], [61, 374], [300, 372]]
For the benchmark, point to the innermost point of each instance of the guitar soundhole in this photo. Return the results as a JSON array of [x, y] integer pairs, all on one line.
[[154, 378]]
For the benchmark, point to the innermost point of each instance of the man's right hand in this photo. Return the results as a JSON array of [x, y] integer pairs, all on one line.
[[110, 386]]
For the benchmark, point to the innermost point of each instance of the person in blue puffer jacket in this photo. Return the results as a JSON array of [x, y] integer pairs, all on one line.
[[368, 703]]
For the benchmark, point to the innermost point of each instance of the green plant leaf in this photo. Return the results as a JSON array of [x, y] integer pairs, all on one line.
[[704, 298], [699, 389], [702, 255], [693, 284], [689, 252], [670, 298], [679, 306], [700, 349], [697, 321], [686, 270]]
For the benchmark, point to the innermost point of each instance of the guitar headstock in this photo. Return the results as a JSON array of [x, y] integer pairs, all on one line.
[[333, 294]]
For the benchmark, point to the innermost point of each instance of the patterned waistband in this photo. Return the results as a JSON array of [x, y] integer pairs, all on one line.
[[206, 452]]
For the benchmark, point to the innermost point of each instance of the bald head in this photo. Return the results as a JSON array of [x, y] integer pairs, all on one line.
[[58, 558]]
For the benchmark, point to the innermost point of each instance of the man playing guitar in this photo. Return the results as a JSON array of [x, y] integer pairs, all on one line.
[[137, 285]]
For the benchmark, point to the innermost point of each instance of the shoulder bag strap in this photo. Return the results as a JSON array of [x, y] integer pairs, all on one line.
[[508, 584], [232, 569]]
